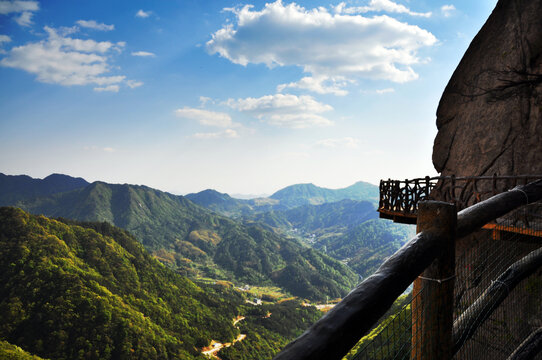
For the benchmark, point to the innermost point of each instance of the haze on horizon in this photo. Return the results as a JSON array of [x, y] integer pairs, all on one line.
[[244, 98]]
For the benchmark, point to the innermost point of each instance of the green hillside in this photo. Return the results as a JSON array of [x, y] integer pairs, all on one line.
[[72, 292], [90, 291], [200, 243], [344, 213], [364, 247], [310, 194], [222, 203], [13, 352], [346, 230]]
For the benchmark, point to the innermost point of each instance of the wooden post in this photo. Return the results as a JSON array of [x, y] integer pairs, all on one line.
[[432, 302]]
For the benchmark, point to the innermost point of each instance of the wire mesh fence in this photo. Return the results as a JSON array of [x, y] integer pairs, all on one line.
[[495, 327]]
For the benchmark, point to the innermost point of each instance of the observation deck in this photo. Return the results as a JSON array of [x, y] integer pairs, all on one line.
[[399, 198]]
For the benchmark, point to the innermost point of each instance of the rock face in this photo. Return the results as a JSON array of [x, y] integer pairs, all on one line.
[[490, 116]]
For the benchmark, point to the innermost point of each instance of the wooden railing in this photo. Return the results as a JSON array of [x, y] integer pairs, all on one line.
[[399, 199], [331, 337]]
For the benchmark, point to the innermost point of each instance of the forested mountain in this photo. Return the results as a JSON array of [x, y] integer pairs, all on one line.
[[288, 198], [222, 203], [100, 284], [347, 230], [90, 290], [310, 194], [198, 242], [314, 218], [19, 187]]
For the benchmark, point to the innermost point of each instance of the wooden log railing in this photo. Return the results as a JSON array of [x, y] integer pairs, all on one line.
[[338, 331], [399, 199]]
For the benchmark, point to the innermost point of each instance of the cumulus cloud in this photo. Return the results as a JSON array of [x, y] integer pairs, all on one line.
[[67, 61], [327, 46], [206, 117], [143, 14], [92, 24], [334, 143], [228, 133], [447, 10], [23, 10], [143, 54], [379, 6], [284, 110]]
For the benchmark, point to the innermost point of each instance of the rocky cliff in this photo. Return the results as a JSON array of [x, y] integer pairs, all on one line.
[[490, 116]]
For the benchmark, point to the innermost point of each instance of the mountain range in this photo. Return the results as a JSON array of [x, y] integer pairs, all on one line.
[[288, 198], [200, 243]]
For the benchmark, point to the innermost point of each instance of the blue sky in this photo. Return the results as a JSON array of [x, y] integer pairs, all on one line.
[[242, 97]]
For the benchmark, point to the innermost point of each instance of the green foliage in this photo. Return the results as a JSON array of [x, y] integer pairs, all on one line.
[[366, 245], [12, 352], [348, 230], [92, 291], [384, 344], [315, 218]]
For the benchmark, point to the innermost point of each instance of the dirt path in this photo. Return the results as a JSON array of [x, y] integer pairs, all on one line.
[[216, 346]]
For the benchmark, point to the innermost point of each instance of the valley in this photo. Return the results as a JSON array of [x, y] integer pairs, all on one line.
[[234, 258]]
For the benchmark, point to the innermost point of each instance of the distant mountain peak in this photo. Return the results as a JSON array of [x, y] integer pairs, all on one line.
[[23, 187]]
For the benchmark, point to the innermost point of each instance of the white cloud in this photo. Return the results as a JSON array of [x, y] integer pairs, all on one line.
[[143, 14], [447, 10], [204, 100], [7, 7], [320, 85], [385, 91], [25, 19], [66, 61], [228, 133], [4, 39], [378, 6], [24, 9], [284, 110], [92, 24], [98, 148], [334, 143], [108, 88], [206, 117], [327, 46], [132, 84], [143, 54]]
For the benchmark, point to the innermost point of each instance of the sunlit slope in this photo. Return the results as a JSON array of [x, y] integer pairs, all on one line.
[[70, 292]]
